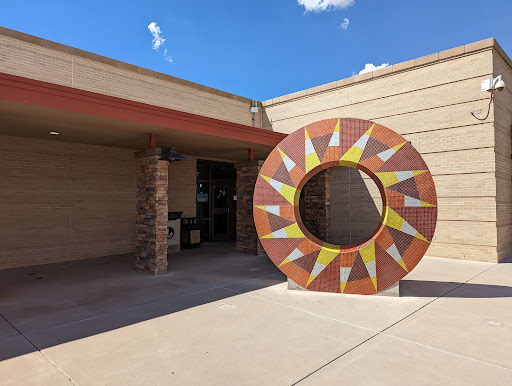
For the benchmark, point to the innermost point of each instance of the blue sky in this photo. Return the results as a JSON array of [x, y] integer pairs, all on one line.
[[267, 48]]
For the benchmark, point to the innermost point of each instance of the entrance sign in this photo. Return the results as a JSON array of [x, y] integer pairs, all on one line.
[[408, 218]]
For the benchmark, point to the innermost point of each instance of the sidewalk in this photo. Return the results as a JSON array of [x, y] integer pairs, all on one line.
[[223, 318]]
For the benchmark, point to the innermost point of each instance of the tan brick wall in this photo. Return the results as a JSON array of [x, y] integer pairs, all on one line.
[[35, 58], [64, 201], [503, 132], [429, 104], [182, 186]]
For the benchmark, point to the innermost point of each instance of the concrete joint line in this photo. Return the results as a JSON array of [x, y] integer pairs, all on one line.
[[140, 305], [382, 332], [60, 370]]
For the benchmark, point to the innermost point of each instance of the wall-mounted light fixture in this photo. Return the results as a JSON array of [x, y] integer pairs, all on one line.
[[169, 154]]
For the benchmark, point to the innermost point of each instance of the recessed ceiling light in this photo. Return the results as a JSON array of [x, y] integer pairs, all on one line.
[[54, 133]]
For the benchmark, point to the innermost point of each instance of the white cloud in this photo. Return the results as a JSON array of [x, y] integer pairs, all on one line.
[[158, 38], [371, 67], [345, 23], [167, 57], [324, 5]]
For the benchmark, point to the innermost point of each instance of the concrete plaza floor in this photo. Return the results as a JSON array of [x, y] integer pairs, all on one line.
[[221, 318]]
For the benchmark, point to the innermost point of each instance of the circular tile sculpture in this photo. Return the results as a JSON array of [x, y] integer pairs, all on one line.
[[409, 207]]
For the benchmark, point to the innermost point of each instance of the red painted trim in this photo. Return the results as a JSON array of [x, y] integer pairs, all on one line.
[[24, 90], [152, 140]]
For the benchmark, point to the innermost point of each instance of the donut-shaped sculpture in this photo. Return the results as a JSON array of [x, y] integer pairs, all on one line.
[[408, 217]]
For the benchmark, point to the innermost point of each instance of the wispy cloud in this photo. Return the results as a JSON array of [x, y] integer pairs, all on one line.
[[372, 67], [324, 5], [158, 39], [345, 23], [167, 57]]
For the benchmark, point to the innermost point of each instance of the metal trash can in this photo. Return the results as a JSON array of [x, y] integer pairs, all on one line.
[[173, 231], [191, 232]]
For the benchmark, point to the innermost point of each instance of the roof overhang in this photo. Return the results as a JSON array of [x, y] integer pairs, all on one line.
[[106, 120]]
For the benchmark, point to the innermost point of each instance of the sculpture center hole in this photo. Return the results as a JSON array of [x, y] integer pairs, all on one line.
[[341, 205]]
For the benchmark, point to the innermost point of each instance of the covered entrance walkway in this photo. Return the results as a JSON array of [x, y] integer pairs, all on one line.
[[83, 178]]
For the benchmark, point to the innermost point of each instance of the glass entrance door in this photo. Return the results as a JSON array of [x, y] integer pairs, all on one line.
[[223, 211]]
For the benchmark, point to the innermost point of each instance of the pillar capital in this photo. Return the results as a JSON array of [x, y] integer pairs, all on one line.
[[154, 151], [248, 164]]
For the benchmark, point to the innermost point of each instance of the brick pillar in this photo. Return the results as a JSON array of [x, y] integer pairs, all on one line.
[[317, 205], [151, 221], [247, 240]]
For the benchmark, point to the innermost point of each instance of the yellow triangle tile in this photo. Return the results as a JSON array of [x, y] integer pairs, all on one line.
[[351, 157], [269, 236], [307, 135], [288, 192], [419, 236], [402, 264], [388, 178], [268, 179], [369, 131], [342, 287], [427, 205], [368, 252], [312, 161], [283, 155], [262, 207], [418, 172], [393, 219], [285, 261], [327, 255], [311, 278], [293, 231], [374, 281], [398, 147]]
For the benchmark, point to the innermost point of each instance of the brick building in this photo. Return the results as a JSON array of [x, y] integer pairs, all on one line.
[[97, 188]]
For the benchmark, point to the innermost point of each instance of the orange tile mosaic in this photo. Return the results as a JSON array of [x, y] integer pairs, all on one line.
[[408, 220]]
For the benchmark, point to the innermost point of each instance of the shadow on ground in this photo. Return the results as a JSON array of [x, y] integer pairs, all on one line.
[[89, 297], [45, 306], [421, 288]]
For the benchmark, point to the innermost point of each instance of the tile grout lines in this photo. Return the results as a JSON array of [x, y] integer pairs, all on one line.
[[382, 332]]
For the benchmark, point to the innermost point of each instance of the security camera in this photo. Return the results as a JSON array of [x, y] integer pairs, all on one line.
[[493, 84], [499, 85]]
